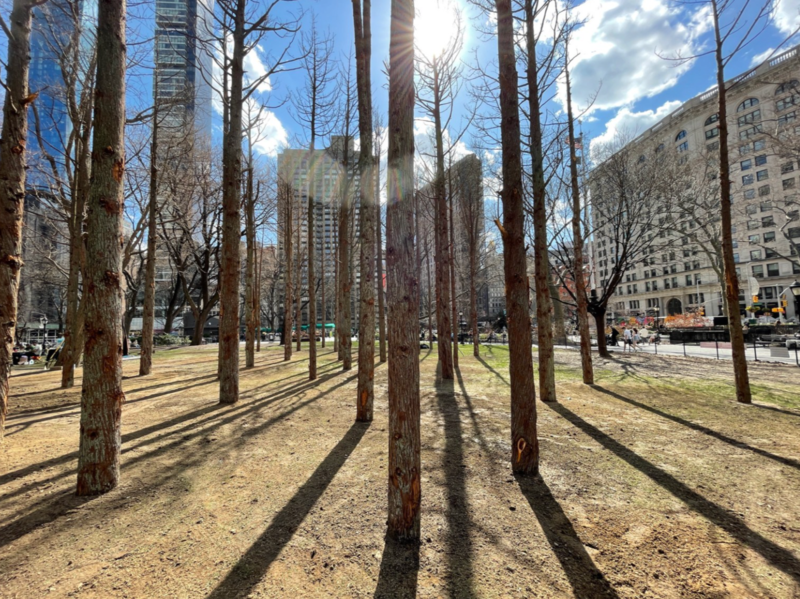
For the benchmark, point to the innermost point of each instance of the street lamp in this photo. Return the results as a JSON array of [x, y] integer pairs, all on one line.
[[795, 289]]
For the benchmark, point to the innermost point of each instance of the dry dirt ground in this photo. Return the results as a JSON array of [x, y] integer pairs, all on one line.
[[655, 483]]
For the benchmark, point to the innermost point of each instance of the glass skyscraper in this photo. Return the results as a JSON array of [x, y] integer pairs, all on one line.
[[182, 63]]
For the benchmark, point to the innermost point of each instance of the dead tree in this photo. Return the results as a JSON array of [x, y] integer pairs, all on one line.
[[102, 395], [404, 467], [362, 22], [12, 182]]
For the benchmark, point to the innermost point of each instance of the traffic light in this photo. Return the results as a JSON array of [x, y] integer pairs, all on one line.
[[755, 299]]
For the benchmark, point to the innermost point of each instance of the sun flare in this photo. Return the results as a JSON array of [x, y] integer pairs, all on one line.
[[436, 26]]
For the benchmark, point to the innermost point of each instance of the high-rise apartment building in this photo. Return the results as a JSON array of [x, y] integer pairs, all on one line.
[[321, 174], [676, 272]]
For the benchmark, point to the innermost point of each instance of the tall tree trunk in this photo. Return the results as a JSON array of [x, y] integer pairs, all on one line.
[[325, 245], [544, 305], [312, 291], [559, 328], [577, 243], [740, 373], [442, 239], [230, 261], [102, 396], [451, 254], [344, 327], [599, 313], [429, 291], [73, 334], [12, 186], [257, 294], [250, 262], [524, 441], [366, 317], [404, 465], [288, 224], [149, 308], [473, 295], [379, 257]]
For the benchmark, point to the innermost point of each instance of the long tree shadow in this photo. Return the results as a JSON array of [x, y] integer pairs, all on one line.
[[250, 569], [776, 409], [49, 509], [778, 556], [399, 570], [459, 541], [497, 374], [702, 429], [584, 577]]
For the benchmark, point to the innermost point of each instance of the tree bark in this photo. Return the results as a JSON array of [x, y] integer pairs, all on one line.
[[739, 357], [379, 259], [473, 298], [404, 465], [285, 197], [599, 314], [102, 396], [544, 305], [524, 441], [577, 244], [336, 315], [344, 327], [451, 254], [12, 186], [149, 308], [298, 314], [366, 317], [250, 262], [230, 261], [312, 290]]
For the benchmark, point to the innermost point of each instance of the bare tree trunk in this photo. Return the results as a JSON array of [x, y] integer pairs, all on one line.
[[577, 244], [250, 263], [379, 255], [429, 293], [442, 239], [559, 328], [312, 291], [524, 441], [404, 465], [544, 306], [257, 295], [366, 316], [285, 197], [230, 259], [739, 357], [451, 245], [102, 396], [12, 186], [344, 328], [325, 245], [149, 308], [599, 314], [73, 333]]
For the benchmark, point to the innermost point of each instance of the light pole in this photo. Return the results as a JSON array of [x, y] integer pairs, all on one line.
[[795, 289]]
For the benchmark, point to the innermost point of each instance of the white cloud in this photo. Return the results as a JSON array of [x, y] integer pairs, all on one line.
[[759, 58], [630, 124], [618, 50], [269, 134], [786, 15]]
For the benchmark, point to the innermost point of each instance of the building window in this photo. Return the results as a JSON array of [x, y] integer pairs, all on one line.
[[786, 102], [750, 132], [765, 206], [758, 271], [712, 133], [773, 270], [749, 194], [768, 221], [789, 117], [787, 168], [746, 164], [754, 239], [744, 149], [788, 183], [793, 232], [680, 135], [761, 159], [674, 282], [713, 147], [647, 286], [655, 285], [666, 283], [747, 179], [755, 254], [749, 118], [751, 209], [747, 104], [760, 144], [736, 258], [688, 280], [786, 87], [752, 224], [769, 237], [763, 190], [762, 175], [683, 147], [711, 120], [770, 253]]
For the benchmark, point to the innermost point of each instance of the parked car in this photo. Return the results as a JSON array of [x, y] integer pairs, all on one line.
[[793, 342]]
